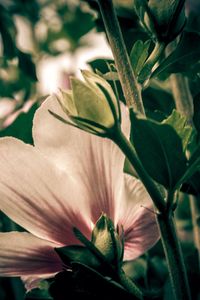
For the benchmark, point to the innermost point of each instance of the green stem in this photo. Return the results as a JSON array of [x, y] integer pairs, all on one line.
[[182, 96], [151, 61], [129, 84], [166, 224], [181, 91], [128, 149], [174, 257], [129, 285]]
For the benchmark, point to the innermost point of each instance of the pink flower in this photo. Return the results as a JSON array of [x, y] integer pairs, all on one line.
[[7, 106], [66, 180]]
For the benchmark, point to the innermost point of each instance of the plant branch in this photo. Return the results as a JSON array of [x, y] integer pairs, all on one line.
[[181, 91], [130, 87], [182, 96], [128, 149], [176, 268], [174, 257]]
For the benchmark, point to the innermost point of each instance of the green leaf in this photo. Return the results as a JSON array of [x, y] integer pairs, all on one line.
[[140, 7], [21, 128], [101, 286], [85, 283], [158, 102], [160, 150], [26, 65], [111, 76], [192, 184], [81, 254], [192, 168], [143, 12], [185, 56], [101, 65], [94, 250], [179, 123], [139, 54]]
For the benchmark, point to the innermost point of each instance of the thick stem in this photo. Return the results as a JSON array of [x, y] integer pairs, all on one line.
[[174, 257], [130, 87], [182, 96]]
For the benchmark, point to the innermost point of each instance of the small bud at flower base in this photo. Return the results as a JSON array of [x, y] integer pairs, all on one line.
[[107, 240]]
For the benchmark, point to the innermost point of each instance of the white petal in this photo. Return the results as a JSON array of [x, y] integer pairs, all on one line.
[[95, 162], [138, 219], [38, 196], [21, 253]]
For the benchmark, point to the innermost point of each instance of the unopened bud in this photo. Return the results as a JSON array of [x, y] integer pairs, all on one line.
[[107, 240], [91, 104]]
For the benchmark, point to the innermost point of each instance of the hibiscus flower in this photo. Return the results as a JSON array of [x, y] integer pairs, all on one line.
[[66, 180]]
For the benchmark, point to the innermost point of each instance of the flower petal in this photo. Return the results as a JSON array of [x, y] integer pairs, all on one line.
[[38, 196], [138, 219], [95, 162], [22, 253], [36, 281]]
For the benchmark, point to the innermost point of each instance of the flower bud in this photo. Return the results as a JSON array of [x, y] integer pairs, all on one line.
[[107, 240], [164, 19], [169, 18], [91, 104]]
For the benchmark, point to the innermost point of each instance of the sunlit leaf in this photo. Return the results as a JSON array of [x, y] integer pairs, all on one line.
[[139, 54], [179, 123]]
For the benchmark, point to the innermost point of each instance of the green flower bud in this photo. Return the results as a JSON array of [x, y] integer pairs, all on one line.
[[164, 19], [107, 240], [91, 104], [169, 18]]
